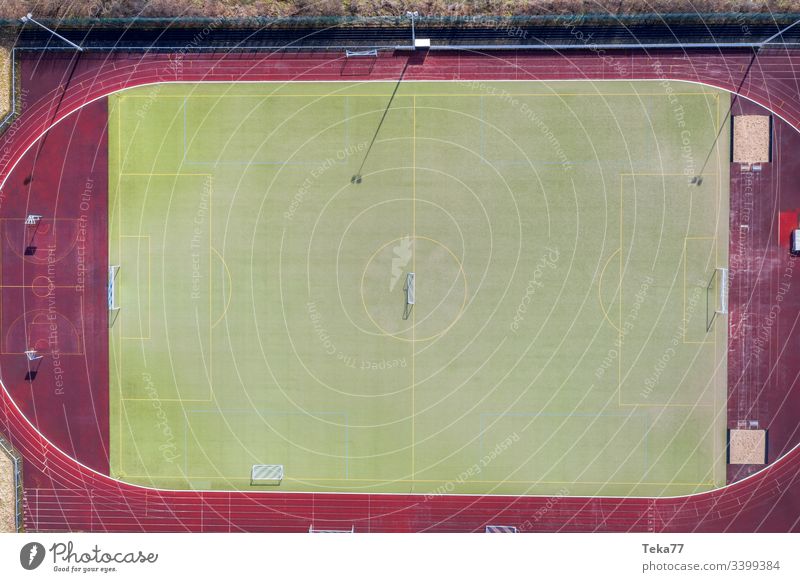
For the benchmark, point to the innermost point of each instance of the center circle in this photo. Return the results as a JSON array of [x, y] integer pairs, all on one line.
[[440, 288]]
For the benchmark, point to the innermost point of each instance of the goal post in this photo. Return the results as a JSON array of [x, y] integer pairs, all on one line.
[[266, 475], [360, 53], [716, 296], [411, 294], [358, 63], [312, 529], [113, 306]]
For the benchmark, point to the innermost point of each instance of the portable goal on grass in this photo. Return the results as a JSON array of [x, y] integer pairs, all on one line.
[[266, 475], [410, 290]]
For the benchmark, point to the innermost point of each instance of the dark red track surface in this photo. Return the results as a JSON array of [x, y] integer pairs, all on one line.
[[62, 494]]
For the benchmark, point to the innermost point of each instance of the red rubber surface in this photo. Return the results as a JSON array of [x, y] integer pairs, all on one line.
[[62, 494]]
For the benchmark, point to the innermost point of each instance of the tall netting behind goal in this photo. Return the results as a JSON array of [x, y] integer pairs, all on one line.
[[113, 306], [716, 296]]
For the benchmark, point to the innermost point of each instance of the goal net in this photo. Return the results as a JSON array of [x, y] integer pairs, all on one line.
[[716, 296], [113, 306], [266, 475], [410, 290], [501, 529], [312, 529], [358, 63], [360, 53]]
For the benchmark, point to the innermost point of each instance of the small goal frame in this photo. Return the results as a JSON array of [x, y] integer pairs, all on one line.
[[410, 289], [716, 303], [360, 53]]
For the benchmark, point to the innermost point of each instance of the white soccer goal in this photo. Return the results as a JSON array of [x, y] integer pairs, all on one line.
[[113, 307], [501, 529], [34, 361], [716, 296], [411, 294], [33, 219], [410, 291], [312, 530], [266, 475], [365, 53]]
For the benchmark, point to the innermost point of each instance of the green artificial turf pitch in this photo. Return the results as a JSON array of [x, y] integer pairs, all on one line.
[[558, 344]]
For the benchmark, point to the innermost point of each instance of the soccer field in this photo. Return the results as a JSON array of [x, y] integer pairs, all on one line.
[[562, 339]]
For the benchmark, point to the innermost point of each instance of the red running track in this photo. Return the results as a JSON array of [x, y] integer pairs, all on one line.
[[65, 495]]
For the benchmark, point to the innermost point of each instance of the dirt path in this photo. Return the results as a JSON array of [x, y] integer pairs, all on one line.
[[5, 80], [6, 494]]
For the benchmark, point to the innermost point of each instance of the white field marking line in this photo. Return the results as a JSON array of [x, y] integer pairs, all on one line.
[[67, 114]]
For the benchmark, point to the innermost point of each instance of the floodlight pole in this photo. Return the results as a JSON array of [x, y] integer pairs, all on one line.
[[29, 18], [413, 16]]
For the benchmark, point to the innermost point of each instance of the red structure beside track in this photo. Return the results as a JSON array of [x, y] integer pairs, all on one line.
[[63, 95]]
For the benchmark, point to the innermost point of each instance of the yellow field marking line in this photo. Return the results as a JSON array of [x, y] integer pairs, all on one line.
[[685, 262], [211, 288], [600, 290], [119, 144], [620, 403], [148, 174], [167, 400], [389, 481], [628, 174], [149, 288], [122, 413], [230, 287], [381, 95], [718, 191], [621, 267], [549, 94], [488, 481], [414, 269], [123, 418], [149, 291], [723, 224]]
